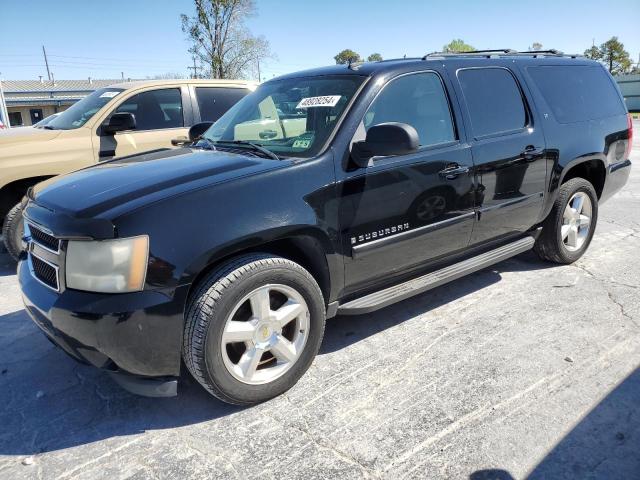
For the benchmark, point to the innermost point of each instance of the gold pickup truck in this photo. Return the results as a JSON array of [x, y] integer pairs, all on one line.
[[114, 121]]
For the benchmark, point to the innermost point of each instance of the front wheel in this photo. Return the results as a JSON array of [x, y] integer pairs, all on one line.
[[13, 231], [253, 328], [569, 228]]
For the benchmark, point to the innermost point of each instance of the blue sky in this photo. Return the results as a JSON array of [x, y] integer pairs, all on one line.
[[143, 37]]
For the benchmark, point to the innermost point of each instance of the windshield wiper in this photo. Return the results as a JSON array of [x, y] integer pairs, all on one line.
[[204, 143], [48, 127], [254, 146]]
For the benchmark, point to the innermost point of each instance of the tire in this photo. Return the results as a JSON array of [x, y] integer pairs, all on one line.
[[13, 231], [551, 245], [233, 291]]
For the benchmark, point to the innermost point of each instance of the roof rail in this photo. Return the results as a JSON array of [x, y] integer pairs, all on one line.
[[503, 51]]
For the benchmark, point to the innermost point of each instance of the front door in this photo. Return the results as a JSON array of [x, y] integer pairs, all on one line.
[[508, 149], [159, 118], [403, 211]]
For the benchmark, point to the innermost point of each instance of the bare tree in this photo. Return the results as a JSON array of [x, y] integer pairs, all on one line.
[[220, 40]]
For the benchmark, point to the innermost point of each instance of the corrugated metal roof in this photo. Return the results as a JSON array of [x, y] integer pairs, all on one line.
[[22, 86]]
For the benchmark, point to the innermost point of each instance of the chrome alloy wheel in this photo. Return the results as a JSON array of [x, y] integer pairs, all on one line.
[[265, 334], [576, 221]]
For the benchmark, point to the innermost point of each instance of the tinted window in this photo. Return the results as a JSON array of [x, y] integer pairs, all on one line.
[[214, 102], [576, 93], [418, 100], [494, 100], [155, 109]]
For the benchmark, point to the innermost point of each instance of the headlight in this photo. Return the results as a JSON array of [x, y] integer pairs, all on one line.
[[108, 266]]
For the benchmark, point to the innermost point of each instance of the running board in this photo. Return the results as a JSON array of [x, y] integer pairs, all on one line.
[[388, 296]]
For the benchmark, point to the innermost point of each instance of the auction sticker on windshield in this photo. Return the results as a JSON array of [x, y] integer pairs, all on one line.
[[324, 101], [109, 94]]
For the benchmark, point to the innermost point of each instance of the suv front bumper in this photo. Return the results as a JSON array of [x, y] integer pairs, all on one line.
[[132, 335]]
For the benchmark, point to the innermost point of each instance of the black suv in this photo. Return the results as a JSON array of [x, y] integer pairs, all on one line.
[[339, 190]]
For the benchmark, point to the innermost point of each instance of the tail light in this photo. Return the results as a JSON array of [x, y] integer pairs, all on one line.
[[630, 136]]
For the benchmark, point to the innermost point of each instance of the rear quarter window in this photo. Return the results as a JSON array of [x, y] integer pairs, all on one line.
[[577, 93], [213, 102]]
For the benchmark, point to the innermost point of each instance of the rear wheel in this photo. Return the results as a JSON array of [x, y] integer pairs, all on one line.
[[569, 228], [253, 328], [13, 231]]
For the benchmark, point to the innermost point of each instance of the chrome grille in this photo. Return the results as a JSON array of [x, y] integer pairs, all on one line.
[[44, 239], [45, 272]]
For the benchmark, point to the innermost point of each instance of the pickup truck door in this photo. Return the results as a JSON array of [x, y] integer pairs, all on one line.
[[508, 147], [403, 211], [160, 118]]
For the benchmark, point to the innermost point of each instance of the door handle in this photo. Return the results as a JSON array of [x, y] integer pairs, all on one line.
[[453, 171], [531, 153]]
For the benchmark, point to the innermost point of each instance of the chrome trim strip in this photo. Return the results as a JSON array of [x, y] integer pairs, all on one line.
[[408, 234], [55, 267], [511, 202]]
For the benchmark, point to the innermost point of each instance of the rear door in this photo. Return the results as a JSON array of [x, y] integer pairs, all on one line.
[[508, 148], [160, 117]]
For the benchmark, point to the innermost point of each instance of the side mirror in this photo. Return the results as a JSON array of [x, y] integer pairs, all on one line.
[[119, 122], [385, 139], [197, 130]]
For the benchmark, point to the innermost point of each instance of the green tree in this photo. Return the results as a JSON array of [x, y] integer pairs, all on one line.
[[593, 53], [374, 57], [220, 40], [345, 56], [612, 54], [457, 46]]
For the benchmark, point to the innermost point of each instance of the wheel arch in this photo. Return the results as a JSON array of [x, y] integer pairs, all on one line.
[[308, 247], [12, 192], [592, 170]]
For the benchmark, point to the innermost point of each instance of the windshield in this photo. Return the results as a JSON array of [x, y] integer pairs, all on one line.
[[80, 112], [291, 117]]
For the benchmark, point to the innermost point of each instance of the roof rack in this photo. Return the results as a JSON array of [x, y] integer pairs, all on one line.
[[487, 53], [500, 52]]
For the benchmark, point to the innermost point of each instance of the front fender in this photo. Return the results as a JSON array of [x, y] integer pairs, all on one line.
[[190, 232]]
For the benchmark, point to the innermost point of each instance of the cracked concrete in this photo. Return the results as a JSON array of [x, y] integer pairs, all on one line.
[[522, 370]]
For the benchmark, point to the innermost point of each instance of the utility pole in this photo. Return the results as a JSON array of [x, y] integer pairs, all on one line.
[[122, 75], [46, 62], [258, 70], [194, 68]]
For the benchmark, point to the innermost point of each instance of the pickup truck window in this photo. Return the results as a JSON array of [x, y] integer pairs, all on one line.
[[494, 100], [290, 117], [214, 101], [577, 93], [155, 109], [418, 100], [80, 113]]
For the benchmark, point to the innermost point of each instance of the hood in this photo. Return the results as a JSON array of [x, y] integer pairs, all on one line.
[[26, 134], [142, 178]]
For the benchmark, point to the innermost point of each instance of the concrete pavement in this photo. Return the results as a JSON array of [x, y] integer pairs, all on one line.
[[523, 369]]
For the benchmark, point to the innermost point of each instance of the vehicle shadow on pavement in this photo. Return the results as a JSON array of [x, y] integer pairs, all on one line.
[[604, 444], [49, 402], [343, 330], [7, 265]]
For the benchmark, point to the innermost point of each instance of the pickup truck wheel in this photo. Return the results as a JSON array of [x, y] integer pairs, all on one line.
[[569, 228], [253, 327], [13, 231]]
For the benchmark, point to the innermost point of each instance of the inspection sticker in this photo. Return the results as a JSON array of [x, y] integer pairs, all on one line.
[[109, 94], [325, 101]]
